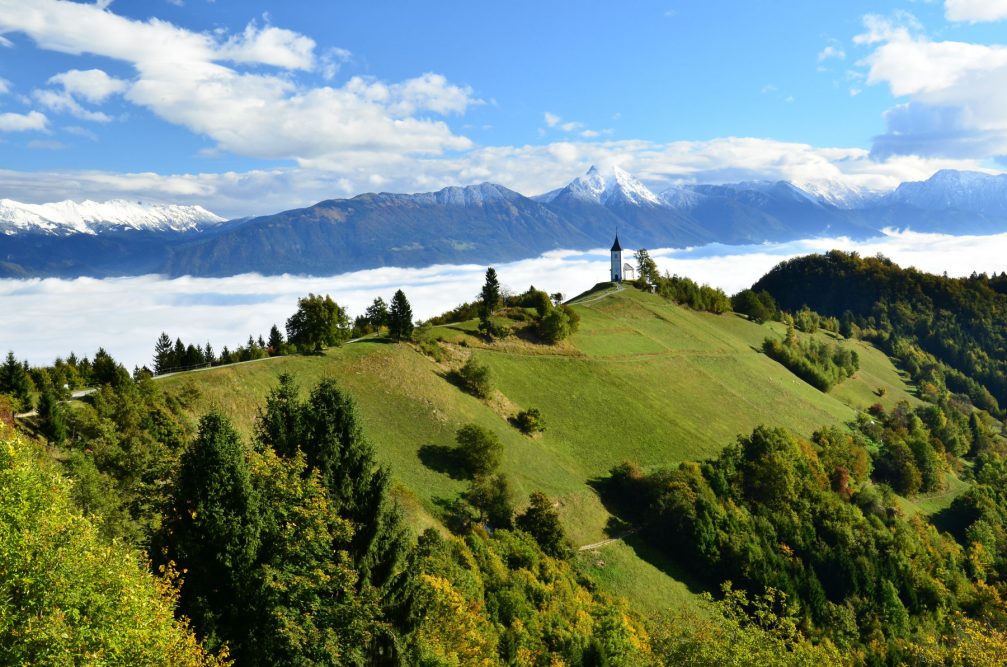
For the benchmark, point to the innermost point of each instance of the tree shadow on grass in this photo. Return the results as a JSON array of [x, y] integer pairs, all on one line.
[[443, 459], [626, 523]]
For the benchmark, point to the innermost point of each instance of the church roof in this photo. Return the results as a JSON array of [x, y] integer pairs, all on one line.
[[615, 246]]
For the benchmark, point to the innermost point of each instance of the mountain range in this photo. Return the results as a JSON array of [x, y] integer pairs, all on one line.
[[479, 223]]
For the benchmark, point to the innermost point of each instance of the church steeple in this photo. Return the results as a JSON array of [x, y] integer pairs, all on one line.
[[616, 260]]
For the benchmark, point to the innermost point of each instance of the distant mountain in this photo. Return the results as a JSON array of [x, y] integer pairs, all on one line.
[[89, 217], [479, 223]]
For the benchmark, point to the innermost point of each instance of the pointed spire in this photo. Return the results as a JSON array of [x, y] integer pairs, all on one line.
[[615, 246]]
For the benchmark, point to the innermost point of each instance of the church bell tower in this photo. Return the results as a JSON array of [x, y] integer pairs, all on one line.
[[616, 261]]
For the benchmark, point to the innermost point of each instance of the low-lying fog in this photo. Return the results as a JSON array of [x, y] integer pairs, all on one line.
[[50, 317]]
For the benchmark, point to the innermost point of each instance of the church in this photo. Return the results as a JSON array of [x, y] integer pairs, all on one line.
[[619, 270]]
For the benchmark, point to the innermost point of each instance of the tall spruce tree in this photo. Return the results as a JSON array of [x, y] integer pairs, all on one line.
[[213, 532], [280, 424], [15, 382], [325, 429], [275, 341], [400, 317], [163, 351], [52, 415], [489, 300]]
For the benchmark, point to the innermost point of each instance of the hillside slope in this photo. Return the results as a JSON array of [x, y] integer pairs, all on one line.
[[643, 379]]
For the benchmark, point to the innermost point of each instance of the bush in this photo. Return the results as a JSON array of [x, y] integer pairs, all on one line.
[[558, 323], [479, 450], [432, 350], [476, 379], [530, 421], [758, 306], [822, 365], [541, 521]]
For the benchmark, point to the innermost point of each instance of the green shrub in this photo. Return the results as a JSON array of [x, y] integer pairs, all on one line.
[[822, 365], [530, 421], [476, 379], [479, 450]]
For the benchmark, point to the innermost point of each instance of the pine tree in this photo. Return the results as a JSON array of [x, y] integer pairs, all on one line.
[[280, 424], [275, 341], [52, 415], [178, 354], [326, 430], [14, 381], [489, 300], [162, 354], [400, 317], [213, 531]]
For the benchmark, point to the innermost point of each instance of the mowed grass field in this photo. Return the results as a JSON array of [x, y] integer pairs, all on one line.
[[643, 380]]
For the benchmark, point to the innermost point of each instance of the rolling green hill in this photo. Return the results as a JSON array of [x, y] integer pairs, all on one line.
[[642, 380]]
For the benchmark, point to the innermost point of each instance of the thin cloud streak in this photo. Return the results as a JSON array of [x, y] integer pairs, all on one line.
[[49, 317]]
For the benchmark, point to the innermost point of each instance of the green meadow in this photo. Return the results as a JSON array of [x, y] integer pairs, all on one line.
[[643, 380]]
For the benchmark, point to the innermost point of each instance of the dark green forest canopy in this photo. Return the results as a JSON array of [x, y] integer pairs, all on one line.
[[962, 322]]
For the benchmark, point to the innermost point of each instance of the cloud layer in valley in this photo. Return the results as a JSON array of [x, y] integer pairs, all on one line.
[[50, 317]]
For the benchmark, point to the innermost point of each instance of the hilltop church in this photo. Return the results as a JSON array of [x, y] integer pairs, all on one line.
[[619, 270]]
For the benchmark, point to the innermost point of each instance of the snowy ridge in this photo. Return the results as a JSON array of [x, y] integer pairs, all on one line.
[[951, 189], [842, 195], [91, 217], [609, 186]]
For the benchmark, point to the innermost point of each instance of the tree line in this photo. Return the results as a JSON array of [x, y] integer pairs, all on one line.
[[318, 322]]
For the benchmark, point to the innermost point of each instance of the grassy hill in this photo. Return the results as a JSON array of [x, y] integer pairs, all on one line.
[[643, 380]]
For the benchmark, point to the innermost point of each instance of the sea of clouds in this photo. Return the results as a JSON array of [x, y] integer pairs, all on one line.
[[43, 318]]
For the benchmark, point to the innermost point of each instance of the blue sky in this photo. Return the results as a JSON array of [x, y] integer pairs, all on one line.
[[249, 107]]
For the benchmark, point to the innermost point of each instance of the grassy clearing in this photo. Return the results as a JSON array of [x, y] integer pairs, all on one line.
[[643, 380]]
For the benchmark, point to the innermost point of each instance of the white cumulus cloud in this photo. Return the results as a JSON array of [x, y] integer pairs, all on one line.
[[975, 11], [956, 91], [94, 85], [16, 122], [201, 81]]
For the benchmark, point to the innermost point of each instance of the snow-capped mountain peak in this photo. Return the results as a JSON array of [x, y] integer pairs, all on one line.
[[952, 189], [91, 217], [610, 186]]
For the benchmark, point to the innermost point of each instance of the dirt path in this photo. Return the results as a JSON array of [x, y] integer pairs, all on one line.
[[618, 288], [599, 545]]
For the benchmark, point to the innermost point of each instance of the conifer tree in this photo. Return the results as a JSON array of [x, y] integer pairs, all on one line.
[[325, 429], [280, 424], [400, 317], [489, 300], [275, 341], [50, 412], [14, 381], [214, 530], [163, 354], [541, 521]]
